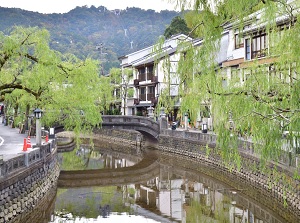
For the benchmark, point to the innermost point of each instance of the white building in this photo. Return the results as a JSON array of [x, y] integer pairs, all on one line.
[[150, 77]]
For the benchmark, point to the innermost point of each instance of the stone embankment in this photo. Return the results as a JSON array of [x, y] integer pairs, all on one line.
[[26, 181], [276, 187]]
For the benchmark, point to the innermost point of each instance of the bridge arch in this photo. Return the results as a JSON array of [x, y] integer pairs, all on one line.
[[148, 127]]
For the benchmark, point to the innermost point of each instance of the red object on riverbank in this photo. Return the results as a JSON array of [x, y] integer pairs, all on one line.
[[28, 142], [25, 145]]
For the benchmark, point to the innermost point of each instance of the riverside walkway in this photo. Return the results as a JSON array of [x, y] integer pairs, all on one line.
[[11, 142]]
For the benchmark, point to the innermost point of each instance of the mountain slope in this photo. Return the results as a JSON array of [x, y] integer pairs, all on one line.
[[82, 29]]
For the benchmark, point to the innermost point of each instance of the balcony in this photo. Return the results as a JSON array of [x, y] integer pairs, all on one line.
[[142, 77], [142, 97], [136, 101], [150, 76], [150, 97]]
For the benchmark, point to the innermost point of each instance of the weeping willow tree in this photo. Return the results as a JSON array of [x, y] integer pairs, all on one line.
[[34, 76], [260, 99], [121, 80]]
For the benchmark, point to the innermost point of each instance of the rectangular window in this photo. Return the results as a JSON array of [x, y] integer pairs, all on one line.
[[142, 74], [151, 93], [238, 41], [247, 49], [143, 94], [149, 72], [118, 93], [259, 46]]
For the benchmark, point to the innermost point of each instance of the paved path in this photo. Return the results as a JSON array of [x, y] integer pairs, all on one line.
[[11, 141]]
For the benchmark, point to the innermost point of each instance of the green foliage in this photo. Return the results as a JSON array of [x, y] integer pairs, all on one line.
[[79, 31], [262, 99], [177, 26], [63, 86], [72, 162], [199, 212], [130, 92], [115, 75]]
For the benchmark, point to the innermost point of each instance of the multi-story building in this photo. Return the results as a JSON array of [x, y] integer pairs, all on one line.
[[239, 48], [150, 77], [253, 42]]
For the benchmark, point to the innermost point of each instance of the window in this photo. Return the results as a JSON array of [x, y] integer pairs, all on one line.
[[238, 41], [248, 49], [143, 94], [256, 47], [259, 46], [142, 74], [151, 93], [118, 93], [151, 90], [149, 72]]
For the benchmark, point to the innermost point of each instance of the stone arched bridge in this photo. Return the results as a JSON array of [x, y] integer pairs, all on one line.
[[147, 126]]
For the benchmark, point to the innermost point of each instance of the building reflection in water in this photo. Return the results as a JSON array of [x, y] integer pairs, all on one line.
[[180, 195]]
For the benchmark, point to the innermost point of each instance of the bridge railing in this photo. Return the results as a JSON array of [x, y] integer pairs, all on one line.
[[130, 119]]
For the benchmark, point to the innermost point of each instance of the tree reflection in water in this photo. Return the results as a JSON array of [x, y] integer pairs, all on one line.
[[176, 194]]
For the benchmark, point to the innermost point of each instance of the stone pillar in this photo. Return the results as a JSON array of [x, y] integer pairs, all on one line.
[[186, 121], [38, 132], [162, 112], [150, 112]]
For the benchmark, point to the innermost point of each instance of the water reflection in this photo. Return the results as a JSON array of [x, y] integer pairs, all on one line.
[[175, 194]]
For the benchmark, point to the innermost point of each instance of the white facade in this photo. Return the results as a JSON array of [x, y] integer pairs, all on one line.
[[149, 75]]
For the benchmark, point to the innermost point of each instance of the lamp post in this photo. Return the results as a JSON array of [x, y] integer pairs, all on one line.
[[38, 115]]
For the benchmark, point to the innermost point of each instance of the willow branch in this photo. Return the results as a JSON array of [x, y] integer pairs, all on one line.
[[13, 86]]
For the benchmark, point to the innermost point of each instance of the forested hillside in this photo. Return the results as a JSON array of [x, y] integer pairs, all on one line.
[[88, 31]]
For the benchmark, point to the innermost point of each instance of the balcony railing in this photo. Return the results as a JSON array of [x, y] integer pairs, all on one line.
[[150, 96], [150, 76], [259, 53], [142, 97], [142, 77]]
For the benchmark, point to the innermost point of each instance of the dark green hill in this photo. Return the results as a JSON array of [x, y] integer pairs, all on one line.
[[82, 29]]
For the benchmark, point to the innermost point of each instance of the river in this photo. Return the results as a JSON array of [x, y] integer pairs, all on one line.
[[156, 187]]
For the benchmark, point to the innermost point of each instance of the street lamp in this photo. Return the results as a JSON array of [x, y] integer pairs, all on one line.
[[38, 115]]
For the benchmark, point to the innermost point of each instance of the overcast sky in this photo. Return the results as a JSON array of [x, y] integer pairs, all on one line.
[[62, 6]]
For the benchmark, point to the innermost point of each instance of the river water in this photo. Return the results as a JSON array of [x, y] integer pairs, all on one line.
[[166, 192]]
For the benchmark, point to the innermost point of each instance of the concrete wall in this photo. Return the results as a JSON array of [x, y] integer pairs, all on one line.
[[27, 180]]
